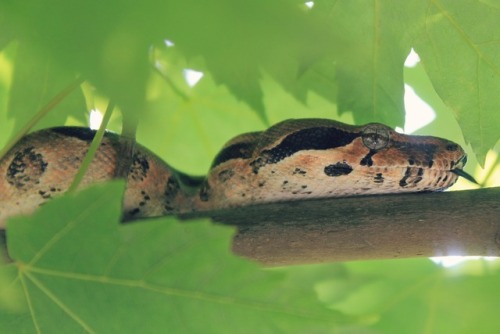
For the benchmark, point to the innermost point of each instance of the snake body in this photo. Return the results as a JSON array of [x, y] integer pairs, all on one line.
[[292, 160]]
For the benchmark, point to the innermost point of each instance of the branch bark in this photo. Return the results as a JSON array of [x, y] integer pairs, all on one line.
[[371, 227]]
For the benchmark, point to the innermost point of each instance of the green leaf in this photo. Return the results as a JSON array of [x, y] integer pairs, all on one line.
[[410, 296], [240, 39], [7, 30], [36, 80], [459, 49], [373, 41], [108, 47], [6, 70], [78, 270], [200, 119], [237, 40]]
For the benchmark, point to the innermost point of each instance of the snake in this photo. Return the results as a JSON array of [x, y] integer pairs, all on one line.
[[296, 159]]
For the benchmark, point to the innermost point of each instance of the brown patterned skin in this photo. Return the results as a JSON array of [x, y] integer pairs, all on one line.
[[42, 165], [293, 160]]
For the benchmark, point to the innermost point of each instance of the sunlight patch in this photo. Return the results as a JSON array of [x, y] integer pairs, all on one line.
[[451, 261], [192, 77], [412, 59], [418, 112], [95, 119], [168, 43]]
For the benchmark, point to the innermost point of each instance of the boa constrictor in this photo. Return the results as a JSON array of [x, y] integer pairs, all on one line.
[[292, 160]]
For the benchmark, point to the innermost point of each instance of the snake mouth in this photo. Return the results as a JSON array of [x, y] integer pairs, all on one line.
[[462, 173]]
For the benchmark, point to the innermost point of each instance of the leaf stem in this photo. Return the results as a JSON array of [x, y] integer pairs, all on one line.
[[96, 142]]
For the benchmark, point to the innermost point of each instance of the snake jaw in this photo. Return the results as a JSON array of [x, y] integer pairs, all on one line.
[[462, 173]]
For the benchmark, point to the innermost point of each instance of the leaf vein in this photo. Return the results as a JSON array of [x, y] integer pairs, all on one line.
[[59, 303], [195, 295]]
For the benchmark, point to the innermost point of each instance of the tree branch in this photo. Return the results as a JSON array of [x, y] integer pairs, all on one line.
[[371, 227]]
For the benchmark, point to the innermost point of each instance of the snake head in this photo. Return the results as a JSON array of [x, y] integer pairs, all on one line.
[[457, 168]]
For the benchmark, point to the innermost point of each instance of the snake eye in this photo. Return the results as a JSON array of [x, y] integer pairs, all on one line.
[[375, 136]]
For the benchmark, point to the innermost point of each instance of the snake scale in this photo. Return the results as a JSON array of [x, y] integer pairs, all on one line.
[[292, 160]]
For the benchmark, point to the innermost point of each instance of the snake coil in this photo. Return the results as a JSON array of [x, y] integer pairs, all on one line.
[[292, 160]]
